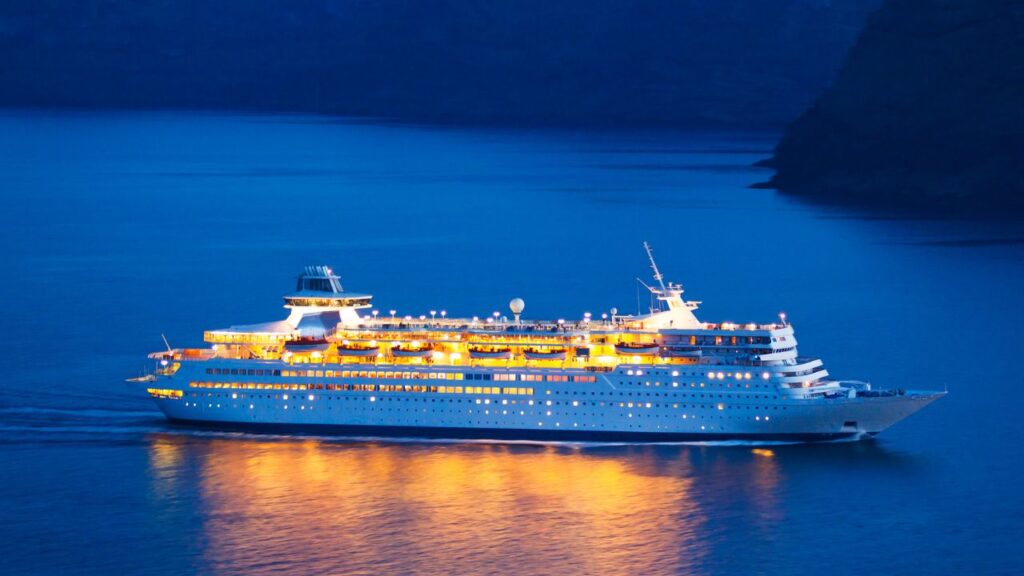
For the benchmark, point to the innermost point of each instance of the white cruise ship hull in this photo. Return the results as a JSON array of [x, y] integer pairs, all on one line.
[[335, 366], [614, 407]]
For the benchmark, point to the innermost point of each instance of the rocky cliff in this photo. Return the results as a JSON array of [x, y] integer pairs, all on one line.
[[928, 111]]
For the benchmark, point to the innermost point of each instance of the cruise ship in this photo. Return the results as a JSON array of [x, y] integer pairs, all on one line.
[[338, 365]]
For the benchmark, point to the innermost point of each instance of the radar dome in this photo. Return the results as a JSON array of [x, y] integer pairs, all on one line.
[[614, 311], [517, 305]]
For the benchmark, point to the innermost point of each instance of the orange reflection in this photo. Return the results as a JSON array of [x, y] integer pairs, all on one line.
[[342, 508]]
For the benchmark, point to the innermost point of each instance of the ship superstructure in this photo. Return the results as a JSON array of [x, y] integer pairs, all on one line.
[[337, 364]]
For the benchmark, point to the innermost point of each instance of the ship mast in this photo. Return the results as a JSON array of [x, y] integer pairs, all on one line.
[[654, 265], [679, 313]]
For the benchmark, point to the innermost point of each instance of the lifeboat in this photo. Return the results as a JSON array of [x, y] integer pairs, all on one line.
[[545, 354], [358, 351], [399, 352], [306, 344], [636, 349], [490, 353]]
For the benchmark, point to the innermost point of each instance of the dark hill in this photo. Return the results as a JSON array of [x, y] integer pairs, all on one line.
[[570, 62], [928, 112]]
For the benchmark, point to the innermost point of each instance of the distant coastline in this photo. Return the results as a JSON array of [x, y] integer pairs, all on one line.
[[575, 64]]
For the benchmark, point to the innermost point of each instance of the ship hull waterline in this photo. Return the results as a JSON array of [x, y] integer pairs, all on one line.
[[898, 408]]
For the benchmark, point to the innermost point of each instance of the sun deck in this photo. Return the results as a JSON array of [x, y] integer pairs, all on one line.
[[329, 326]]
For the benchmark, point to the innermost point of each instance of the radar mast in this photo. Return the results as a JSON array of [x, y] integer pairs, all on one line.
[[654, 265]]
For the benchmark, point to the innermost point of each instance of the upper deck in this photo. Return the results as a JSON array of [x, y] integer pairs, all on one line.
[[330, 326]]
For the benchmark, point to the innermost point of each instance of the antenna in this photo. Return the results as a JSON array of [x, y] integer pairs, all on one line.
[[654, 265], [166, 344]]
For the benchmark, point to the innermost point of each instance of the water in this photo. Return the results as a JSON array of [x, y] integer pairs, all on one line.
[[119, 227]]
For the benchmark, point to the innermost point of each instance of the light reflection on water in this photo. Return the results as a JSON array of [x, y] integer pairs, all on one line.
[[333, 507]]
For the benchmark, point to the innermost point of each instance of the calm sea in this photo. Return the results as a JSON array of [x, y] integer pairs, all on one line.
[[120, 227]]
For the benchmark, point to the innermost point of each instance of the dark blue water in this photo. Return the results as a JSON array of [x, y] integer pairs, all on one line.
[[117, 228]]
